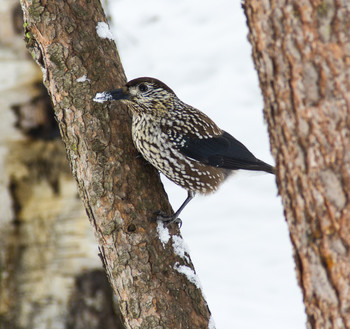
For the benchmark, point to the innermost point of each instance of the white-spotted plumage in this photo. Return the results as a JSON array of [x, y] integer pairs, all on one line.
[[159, 146], [160, 122], [181, 141]]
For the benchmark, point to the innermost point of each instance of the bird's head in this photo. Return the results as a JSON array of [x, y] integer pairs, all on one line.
[[142, 95]]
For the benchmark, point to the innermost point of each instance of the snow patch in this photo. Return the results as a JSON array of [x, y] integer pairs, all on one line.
[[211, 324], [102, 97], [83, 78], [190, 274], [163, 233], [180, 247], [103, 31]]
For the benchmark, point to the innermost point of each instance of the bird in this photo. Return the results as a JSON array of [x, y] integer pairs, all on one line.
[[180, 141]]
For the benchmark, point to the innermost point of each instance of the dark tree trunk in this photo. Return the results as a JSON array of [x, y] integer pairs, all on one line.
[[301, 51], [119, 190]]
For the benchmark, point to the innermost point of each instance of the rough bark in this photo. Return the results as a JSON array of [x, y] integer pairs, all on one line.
[[46, 243], [120, 191], [301, 51]]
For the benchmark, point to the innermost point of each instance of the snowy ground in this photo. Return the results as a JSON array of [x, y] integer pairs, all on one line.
[[238, 237]]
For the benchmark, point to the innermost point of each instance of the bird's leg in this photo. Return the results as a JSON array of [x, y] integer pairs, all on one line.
[[174, 217], [190, 196]]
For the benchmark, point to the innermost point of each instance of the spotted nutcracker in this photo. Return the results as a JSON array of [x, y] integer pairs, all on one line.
[[181, 141]]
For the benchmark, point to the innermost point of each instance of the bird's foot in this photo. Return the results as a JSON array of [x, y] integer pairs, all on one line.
[[166, 219]]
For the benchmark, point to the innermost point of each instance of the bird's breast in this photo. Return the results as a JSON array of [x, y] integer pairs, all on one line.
[[162, 152]]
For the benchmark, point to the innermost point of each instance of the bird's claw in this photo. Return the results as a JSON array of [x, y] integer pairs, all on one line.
[[166, 219]]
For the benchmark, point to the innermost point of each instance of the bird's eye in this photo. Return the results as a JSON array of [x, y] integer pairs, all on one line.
[[143, 88]]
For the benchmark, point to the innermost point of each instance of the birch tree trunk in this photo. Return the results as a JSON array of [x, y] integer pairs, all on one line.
[[120, 191], [301, 51], [48, 254]]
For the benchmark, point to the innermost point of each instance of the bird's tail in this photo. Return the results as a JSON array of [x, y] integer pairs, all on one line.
[[261, 166]]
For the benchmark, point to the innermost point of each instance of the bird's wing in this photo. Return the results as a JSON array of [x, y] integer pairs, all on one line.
[[222, 151]]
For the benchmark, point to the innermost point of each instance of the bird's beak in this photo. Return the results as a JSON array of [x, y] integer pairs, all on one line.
[[117, 94]]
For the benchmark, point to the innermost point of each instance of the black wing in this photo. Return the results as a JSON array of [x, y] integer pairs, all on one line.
[[223, 151]]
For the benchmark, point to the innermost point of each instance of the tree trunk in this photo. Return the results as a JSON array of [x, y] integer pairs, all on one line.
[[48, 250], [120, 191], [301, 51]]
